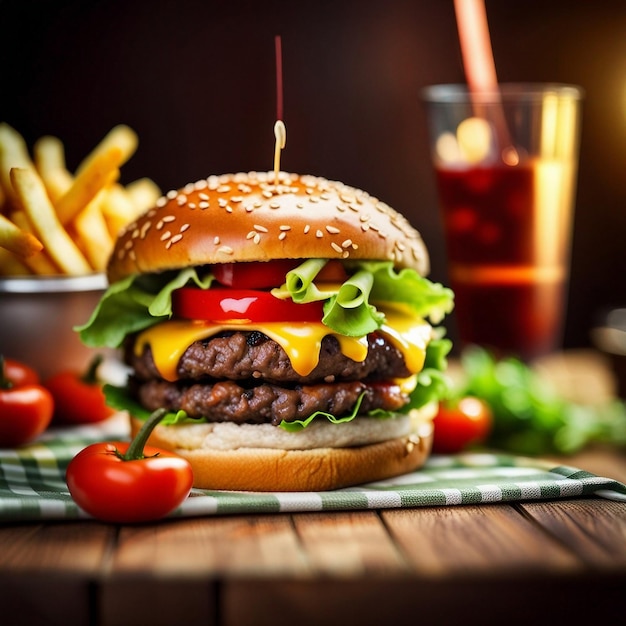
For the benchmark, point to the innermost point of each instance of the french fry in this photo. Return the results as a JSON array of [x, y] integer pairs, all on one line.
[[120, 137], [13, 153], [99, 172], [10, 265], [118, 209], [49, 156], [39, 263], [143, 193], [18, 241], [31, 192], [94, 234]]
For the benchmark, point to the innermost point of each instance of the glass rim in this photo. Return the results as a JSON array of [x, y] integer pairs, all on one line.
[[53, 284], [506, 92]]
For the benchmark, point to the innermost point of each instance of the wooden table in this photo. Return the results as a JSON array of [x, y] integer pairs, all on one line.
[[527, 563]]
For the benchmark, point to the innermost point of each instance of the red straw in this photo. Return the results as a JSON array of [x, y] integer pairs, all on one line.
[[279, 77], [480, 68]]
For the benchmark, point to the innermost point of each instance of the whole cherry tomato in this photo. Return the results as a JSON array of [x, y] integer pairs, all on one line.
[[125, 483], [460, 424], [78, 398], [25, 406]]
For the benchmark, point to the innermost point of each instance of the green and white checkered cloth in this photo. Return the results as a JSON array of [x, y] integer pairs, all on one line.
[[33, 488]]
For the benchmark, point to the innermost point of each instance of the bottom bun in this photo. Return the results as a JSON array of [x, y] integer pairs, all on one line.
[[316, 469]]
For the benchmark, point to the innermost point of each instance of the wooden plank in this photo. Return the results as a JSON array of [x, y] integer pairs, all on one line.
[[444, 541], [43, 566], [70, 547], [347, 544], [208, 547], [594, 529], [156, 601], [468, 600]]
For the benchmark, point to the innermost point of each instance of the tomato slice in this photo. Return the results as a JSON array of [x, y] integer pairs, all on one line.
[[241, 305], [254, 274]]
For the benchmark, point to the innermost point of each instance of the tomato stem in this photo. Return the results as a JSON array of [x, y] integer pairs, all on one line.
[[135, 450]]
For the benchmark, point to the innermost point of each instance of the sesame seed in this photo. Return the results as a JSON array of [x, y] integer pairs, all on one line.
[[333, 230], [282, 235], [132, 255], [364, 218], [203, 205], [300, 205], [184, 227], [166, 235], [180, 201], [400, 246], [257, 238], [340, 208], [192, 205], [168, 218], [314, 199], [365, 227], [203, 196], [354, 208], [347, 243], [223, 188], [260, 228], [274, 205], [144, 229], [249, 209], [135, 234], [267, 194], [128, 245], [216, 240], [225, 250], [307, 228], [236, 199], [251, 234], [159, 225], [336, 247], [171, 194], [319, 234], [222, 202], [284, 227], [161, 202]]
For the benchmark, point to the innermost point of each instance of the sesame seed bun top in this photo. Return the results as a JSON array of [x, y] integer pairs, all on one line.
[[253, 217]]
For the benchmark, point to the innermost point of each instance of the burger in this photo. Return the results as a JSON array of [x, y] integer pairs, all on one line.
[[285, 324]]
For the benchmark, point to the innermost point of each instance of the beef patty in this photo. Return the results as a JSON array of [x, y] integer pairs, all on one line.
[[242, 355]]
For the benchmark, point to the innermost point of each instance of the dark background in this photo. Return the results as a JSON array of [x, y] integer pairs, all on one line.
[[196, 80]]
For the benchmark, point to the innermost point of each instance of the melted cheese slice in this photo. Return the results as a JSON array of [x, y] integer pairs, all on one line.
[[300, 340]]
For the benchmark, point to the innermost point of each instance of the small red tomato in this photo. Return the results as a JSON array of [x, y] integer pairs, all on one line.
[[128, 483], [460, 424], [25, 407], [78, 398]]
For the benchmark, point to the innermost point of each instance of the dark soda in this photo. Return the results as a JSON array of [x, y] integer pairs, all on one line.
[[506, 236]]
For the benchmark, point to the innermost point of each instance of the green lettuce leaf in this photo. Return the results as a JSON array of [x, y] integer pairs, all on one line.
[[350, 308], [134, 304]]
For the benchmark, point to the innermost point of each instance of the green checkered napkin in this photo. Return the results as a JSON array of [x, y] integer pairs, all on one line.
[[32, 483]]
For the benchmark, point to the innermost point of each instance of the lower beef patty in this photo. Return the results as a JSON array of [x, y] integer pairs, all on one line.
[[229, 401]]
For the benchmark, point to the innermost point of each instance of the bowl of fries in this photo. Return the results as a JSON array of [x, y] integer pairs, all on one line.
[[57, 230]]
